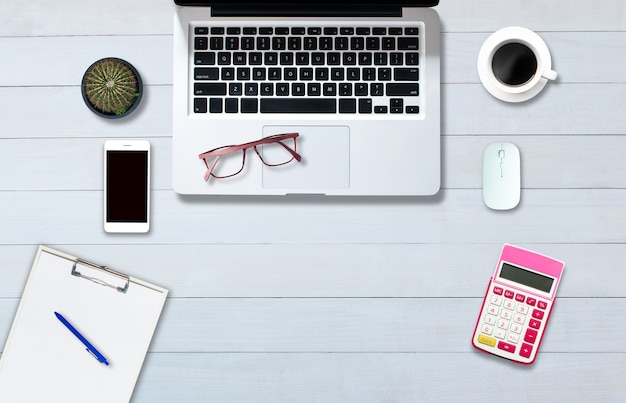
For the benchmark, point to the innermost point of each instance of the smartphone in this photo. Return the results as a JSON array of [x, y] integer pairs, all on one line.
[[127, 186], [517, 305]]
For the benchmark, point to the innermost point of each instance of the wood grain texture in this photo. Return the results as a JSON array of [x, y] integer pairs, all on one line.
[[334, 299]]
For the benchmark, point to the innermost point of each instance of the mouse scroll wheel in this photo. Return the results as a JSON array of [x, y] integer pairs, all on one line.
[[501, 154]]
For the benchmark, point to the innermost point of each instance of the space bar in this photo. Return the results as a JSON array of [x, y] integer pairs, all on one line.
[[290, 105]]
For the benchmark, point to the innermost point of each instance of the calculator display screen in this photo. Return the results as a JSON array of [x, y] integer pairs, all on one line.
[[528, 278]]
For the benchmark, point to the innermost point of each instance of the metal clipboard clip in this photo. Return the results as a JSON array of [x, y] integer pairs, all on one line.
[[105, 270]]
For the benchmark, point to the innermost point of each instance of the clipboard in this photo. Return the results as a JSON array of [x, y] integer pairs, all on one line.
[[43, 361]]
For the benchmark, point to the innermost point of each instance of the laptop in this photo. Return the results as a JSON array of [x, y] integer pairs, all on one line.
[[359, 85]]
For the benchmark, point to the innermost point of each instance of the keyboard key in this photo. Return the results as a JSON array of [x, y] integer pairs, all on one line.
[[210, 88], [408, 43], [231, 105], [235, 89], [204, 58], [267, 89], [412, 109], [201, 43], [347, 105], [408, 89], [365, 105], [298, 105], [206, 73], [406, 74], [249, 105], [200, 105], [380, 109], [215, 105]]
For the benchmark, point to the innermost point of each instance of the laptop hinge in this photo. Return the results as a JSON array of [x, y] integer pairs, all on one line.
[[304, 11]]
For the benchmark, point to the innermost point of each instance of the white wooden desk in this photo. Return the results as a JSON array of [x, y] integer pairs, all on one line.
[[324, 299]]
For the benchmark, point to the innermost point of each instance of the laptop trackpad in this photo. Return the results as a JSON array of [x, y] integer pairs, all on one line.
[[325, 164]]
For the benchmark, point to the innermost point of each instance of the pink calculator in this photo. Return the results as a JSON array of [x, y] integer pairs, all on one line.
[[517, 305]]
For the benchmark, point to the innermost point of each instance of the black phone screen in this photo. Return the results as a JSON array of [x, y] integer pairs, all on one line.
[[127, 186]]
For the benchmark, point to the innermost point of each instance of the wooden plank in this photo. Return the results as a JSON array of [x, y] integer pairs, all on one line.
[[61, 112], [76, 17], [548, 162], [68, 57], [80, 17], [562, 109], [460, 54], [377, 377], [454, 216], [392, 325], [329, 270], [573, 15]]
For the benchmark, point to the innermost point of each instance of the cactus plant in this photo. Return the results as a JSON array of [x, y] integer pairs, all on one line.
[[111, 87]]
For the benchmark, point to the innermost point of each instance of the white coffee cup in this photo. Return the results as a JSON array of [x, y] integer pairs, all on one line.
[[514, 64]]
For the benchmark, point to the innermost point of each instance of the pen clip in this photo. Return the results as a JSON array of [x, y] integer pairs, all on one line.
[[104, 269], [100, 360]]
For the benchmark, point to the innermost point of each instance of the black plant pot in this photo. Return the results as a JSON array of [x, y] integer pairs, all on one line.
[[112, 88]]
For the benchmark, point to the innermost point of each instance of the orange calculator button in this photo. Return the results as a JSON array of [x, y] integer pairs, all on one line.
[[490, 341]]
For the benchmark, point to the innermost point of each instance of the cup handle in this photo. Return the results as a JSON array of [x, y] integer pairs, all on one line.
[[550, 74]]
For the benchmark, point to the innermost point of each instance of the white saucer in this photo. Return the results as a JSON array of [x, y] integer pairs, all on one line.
[[507, 35]]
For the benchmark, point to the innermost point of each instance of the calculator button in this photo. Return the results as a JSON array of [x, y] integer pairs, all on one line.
[[509, 294], [535, 324], [512, 338], [490, 319], [542, 304], [537, 314], [498, 290], [506, 347], [503, 324], [493, 310], [506, 314], [526, 350], [509, 305], [531, 301], [500, 333], [530, 336], [515, 328], [496, 300], [519, 319], [520, 297], [523, 309], [486, 329], [490, 341]]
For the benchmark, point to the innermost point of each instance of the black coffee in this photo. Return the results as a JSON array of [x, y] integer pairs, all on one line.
[[514, 64]]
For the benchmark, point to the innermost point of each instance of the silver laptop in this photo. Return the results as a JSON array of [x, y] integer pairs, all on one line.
[[306, 97]]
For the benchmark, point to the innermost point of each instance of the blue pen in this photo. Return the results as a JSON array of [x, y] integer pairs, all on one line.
[[90, 348]]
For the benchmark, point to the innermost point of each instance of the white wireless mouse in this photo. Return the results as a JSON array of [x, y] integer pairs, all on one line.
[[501, 176]]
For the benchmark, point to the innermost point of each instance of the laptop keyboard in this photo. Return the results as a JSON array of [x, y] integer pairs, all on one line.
[[327, 70]]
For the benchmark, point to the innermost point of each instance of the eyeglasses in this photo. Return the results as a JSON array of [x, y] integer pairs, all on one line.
[[227, 161]]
